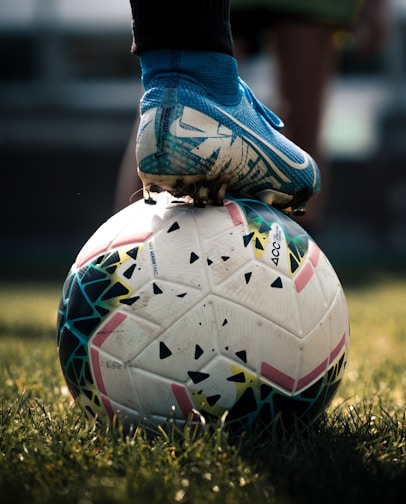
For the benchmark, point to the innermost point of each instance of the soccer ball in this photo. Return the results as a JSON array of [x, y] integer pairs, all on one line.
[[172, 312]]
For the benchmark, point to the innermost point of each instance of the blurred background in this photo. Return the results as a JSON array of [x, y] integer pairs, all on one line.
[[69, 93]]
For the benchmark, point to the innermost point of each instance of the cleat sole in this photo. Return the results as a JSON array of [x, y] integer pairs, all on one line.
[[213, 191]]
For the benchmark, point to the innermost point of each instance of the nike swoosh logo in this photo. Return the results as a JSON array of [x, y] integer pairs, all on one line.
[[179, 129], [195, 124], [286, 159]]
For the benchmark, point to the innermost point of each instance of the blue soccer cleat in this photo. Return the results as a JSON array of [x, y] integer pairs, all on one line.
[[191, 144]]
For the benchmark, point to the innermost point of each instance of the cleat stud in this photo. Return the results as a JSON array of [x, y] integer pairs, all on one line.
[[201, 197], [202, 193], [299, 212], [221, 194], [198, 203], [148, 198]]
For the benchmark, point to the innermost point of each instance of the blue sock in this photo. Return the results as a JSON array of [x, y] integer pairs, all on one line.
[[216, 72]]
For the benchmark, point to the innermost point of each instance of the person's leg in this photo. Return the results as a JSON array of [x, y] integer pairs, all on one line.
[[199, 25], [306, 61], [203, 26], [202, 131], [195, 25]]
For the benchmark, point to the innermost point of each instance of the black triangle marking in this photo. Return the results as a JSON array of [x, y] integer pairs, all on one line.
[[91, 275], [193, 257], [225, 322], [293, 264], [198, 351], [175, 226], [247, 238], [117, 290], [277, 283], [157, 290], [129, 301], [111, 259], [129, 271], [264, 228], [95, 290], [133, 253], [164, 351], [239, 378], [247, 277], [209, 262], [225, 258], [99, 259], [242, 354], [197, 376], [101, 310], [213, 399], [181, 295], [258, 244]]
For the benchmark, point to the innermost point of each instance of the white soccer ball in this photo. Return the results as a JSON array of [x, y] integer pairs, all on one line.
[[182, 313]]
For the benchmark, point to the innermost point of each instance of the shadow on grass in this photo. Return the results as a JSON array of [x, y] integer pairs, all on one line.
[[354, 457]]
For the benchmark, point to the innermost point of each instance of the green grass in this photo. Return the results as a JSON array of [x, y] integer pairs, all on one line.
[[51, 454]]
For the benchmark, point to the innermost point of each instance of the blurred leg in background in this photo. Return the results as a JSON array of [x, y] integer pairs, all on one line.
[[305, 40], [300, 39]]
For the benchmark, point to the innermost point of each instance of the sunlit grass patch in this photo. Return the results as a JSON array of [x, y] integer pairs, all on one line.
[[50, 453]]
